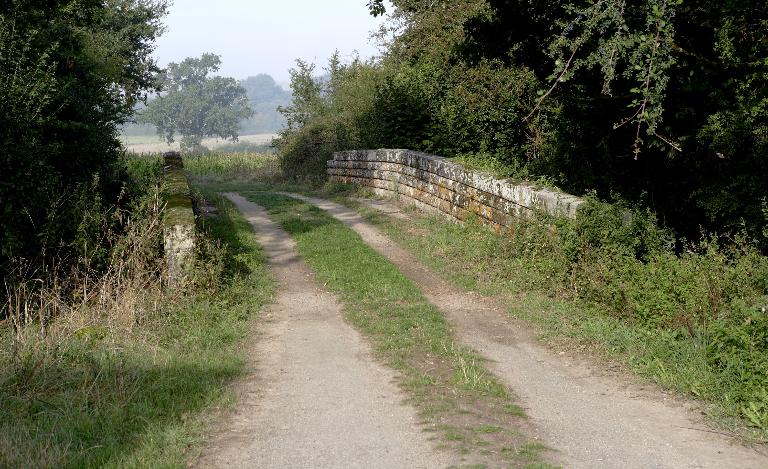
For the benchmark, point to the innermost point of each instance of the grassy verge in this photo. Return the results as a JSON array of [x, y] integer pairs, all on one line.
[[653, 316], [693, 319], [136, 395], [455, 394]]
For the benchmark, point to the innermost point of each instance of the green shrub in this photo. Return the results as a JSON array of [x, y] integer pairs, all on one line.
[[70, 72], [738, 347], [603, 225], [476, 110], [304, 152], [405, 104], [325, 116], [483, 111]]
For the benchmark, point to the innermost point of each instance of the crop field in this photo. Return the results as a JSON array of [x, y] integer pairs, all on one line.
[[154, 144]]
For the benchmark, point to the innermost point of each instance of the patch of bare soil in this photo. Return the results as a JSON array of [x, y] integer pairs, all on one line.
[[595, 418], [314, 396]]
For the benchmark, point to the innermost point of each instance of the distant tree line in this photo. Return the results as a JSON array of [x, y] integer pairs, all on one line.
[[264, 95], [663, 103]]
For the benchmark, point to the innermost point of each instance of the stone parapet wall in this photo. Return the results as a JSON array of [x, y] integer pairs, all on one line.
[[178, 218], [442, 185]]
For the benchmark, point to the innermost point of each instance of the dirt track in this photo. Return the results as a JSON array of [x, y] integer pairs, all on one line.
[[595, 419], [314, 396]]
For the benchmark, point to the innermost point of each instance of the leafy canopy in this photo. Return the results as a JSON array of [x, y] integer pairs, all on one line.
[[196, 105], [70, 72], [664, 102]]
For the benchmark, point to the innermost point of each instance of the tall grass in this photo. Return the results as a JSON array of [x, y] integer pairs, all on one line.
[[107, 367], [232, 167], [47, 303]]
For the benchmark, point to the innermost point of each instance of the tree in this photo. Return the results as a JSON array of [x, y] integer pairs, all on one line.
[[70, 72], [262, 87], [196, 105], [663, 102]]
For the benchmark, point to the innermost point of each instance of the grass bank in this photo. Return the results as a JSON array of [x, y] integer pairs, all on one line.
[[694, 322], [457, 397], [134, 386]]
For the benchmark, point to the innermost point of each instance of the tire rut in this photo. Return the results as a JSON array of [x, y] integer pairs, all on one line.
[[593, 418], [314, 396]]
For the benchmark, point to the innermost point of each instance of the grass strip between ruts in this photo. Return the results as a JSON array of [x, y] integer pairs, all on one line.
[[457, 397]]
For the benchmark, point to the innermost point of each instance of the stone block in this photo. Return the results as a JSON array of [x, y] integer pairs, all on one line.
[[447, 186], [178, 219]]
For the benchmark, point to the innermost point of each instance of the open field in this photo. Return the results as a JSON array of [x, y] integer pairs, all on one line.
[[154, 144]]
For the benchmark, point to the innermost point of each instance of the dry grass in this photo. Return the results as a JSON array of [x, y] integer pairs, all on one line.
[[47, 303], [110, 368]]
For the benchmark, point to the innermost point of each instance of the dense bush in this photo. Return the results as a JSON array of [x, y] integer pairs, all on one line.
[[70, 72], [326, 115], [405, 110], [716, 291], [421, 107], [664, 103]]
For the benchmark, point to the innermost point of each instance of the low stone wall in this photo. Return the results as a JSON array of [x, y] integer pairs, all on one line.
[[439, 184], [178, 218]]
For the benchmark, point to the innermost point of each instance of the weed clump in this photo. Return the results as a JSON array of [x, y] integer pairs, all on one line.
[[713, 291]]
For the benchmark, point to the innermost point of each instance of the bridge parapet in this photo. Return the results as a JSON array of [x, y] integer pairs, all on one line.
[[439, 184]]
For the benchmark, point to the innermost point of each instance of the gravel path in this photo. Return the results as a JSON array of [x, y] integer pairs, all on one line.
[[315, 397], [596, 419]]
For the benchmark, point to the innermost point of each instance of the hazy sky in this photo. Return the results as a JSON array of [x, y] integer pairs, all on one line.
[[266, 36]]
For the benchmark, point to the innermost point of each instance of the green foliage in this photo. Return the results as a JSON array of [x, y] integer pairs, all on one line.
[[410, 106], [308, 101], [603, 35], [710, 290], [600, 224], [320, 122], [305, 152], [739, 346], [483, 111], [695, 322], [404, 109], [143, 172], [196, 105], [70, 71], [663, 102]]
